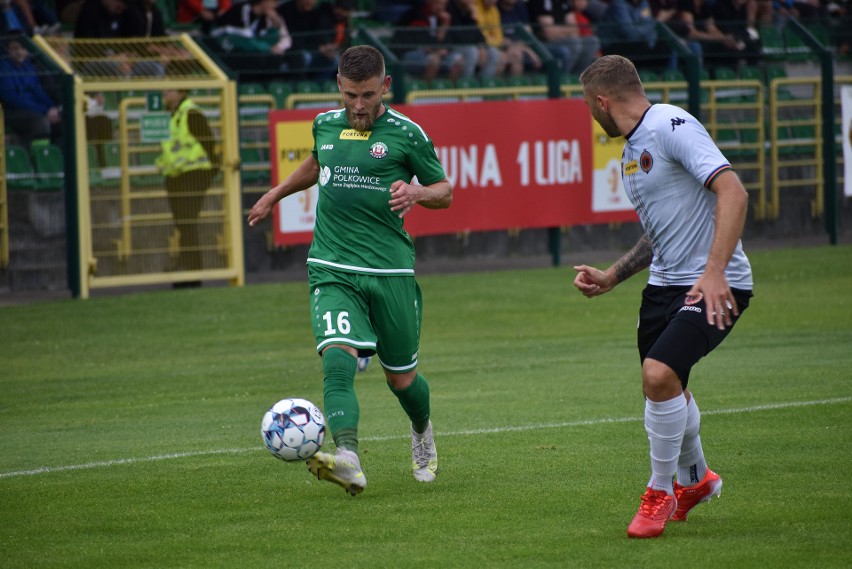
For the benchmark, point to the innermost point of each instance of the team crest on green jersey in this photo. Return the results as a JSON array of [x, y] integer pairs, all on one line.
[[379, 150]]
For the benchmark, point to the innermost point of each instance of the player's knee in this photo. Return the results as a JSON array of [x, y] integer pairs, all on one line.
[[399, 381], [339, 365], [659, 381]]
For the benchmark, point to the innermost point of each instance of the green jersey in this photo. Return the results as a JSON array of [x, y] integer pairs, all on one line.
[[355, 230]]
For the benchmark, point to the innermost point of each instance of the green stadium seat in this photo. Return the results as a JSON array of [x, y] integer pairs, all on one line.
[[647, 76], [251, 89], [493, 82], [570, 79], [772, 42], [95, 166], [751, 72], [775, 72], [329, 86], [441, 84], [280, 90], [468, 83], [673, 76], [306, 86], [19, 170], [518, 81], [254, 170], [724, 74], [417, 85], [49, 166], [538, 79]]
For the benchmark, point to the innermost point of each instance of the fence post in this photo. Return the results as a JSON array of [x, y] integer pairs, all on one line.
[[829, 150]]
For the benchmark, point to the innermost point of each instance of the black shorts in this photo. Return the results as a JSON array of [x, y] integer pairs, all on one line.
[[676, 333]]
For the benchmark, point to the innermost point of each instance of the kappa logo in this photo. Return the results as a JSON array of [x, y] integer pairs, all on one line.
[[677, 122]]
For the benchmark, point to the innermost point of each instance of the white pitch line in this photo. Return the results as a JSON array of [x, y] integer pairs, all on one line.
[[489, 431]]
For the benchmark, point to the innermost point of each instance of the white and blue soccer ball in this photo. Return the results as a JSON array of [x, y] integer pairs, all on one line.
[[293, 429]]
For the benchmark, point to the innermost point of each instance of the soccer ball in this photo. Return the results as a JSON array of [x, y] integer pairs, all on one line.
[[293, 429]]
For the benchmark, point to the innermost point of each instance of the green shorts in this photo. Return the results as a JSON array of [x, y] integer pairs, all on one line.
[[373, 314]]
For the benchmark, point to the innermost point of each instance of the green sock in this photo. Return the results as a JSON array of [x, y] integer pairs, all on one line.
[[341, 403], [415, 402]]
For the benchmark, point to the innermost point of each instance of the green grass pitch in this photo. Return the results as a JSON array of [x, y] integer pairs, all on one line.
[[129, 431]]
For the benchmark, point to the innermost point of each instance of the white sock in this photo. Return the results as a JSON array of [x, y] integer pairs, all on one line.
[[665, 422], [691, 466]]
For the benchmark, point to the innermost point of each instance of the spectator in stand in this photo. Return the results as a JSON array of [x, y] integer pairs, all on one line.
[[154, 26], [338, 18], [38, 16], [491, 25], [104, 20], [514, 13], [555, 24], [694, 23], [201, 12], [421, 40], [738, 19], [628, 28], [314, 30], [466, 32], [29, 110], [108, 19], [254, 27], [584, 24], [13, 20]]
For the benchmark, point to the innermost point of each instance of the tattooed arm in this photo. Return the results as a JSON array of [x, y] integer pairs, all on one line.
[[593, 282]]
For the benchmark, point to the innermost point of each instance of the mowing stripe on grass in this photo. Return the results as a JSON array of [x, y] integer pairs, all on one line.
[[492, 430]]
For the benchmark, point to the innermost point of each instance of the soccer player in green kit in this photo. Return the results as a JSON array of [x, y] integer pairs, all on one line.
[[364, 297]]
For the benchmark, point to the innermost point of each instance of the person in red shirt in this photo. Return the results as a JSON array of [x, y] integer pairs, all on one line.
[[202, 12]]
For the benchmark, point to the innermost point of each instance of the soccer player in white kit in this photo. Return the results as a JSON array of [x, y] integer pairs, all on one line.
[[692, 207]]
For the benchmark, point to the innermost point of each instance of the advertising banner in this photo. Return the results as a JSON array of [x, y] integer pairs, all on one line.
[[846, 114], [513, 164]]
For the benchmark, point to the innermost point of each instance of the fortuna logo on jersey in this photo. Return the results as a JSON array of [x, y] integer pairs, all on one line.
[[379, 150], [646, 162], [352, 134], [677, 122]]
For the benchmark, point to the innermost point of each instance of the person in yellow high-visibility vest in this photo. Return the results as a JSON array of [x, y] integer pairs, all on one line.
[[188, 162]]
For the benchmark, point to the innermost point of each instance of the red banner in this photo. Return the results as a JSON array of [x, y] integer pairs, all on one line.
[[513, 164]]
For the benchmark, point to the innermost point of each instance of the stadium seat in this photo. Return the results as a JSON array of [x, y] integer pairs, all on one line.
[[251, 89], [468, 83], [493, 82], [673, 76], [775, 72], [417, 85], [49, 166], [441, 84], [329, 86], [95, 166], [518, 81], [751, 72], [570, 79], [306, 86], [647, 76], [19, 169], [772, 43], [279, 91], [254, 170], [724, 74]]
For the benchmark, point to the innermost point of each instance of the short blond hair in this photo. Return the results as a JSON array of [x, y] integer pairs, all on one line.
[[612, 75]]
